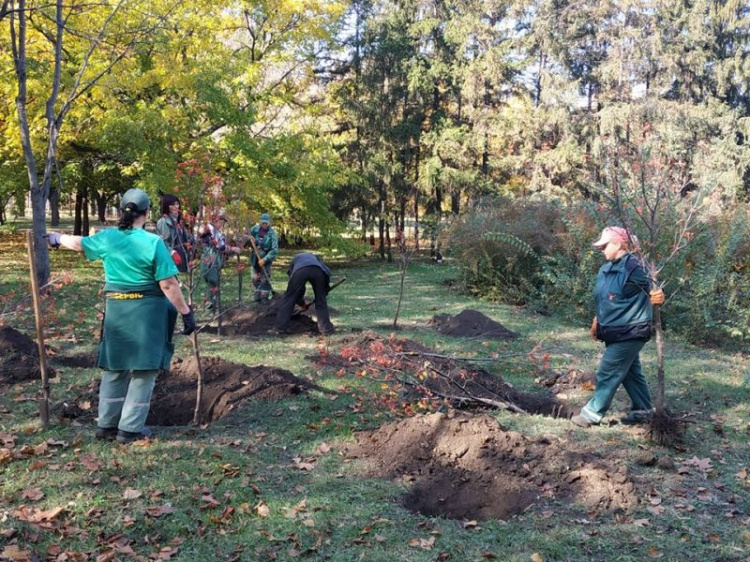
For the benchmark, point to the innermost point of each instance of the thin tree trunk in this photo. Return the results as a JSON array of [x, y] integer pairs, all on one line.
[[660, 385]]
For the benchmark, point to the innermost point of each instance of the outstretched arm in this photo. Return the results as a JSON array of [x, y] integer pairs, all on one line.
[[57, 240]]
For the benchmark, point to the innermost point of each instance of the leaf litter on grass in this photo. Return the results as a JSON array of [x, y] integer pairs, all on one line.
[[418, 375]]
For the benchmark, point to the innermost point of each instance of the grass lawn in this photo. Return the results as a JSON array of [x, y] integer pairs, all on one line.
[[269, 481]]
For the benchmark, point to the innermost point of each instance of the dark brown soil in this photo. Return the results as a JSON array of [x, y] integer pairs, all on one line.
[[80, 361], [471, 324], [417, 373], [563, 381], [257, 320], [226, 386], [19, 357], [465, 466]]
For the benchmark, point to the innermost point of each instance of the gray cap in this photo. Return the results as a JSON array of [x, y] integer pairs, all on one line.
[[265, 217], [138, 197]]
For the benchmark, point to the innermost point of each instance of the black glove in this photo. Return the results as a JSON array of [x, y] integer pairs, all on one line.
[[188, 323], [54, 239]]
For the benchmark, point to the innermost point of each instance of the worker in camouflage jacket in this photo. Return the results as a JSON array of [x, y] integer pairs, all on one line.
[[267, 246]]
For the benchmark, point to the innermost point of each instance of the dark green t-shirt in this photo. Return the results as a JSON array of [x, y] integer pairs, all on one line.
[[131, 257]]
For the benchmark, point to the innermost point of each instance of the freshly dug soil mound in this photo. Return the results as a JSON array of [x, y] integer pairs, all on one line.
[[225, 386], [417, 373], [563, 381], [468, 467], [471, 324], [261, 318], [19, 357]]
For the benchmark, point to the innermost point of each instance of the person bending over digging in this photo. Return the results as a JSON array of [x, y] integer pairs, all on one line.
[[306, 267], [142, 301], [623, 322]]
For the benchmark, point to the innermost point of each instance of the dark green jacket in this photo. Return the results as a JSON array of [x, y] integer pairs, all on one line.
[[268, 246], [623, 306]]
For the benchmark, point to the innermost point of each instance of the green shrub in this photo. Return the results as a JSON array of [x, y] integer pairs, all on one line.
[[523, 252], [540, 255], [709, 284]]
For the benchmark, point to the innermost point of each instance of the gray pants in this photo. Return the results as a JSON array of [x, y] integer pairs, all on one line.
[[125, 398], [261, 284]]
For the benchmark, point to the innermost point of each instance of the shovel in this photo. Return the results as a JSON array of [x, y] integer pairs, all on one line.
[[307, 305], [263, 269]]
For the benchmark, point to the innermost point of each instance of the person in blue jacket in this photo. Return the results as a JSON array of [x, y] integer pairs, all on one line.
[[623, 322], [306, 267]]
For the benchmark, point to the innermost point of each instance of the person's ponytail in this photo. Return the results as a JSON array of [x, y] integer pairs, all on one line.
[[128, 215]]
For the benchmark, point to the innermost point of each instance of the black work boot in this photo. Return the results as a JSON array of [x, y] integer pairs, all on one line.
[[126, 437], [106, 433]]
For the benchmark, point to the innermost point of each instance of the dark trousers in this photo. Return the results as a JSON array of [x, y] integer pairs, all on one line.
[[295, 293], [620, 365]]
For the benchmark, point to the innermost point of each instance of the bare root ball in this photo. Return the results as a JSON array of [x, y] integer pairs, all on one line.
[[665, 429]]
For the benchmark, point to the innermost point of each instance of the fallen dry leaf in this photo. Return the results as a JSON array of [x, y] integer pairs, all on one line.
[[32, 494], [424, 544], [701, 464], [131, 494], [158, 511], [13, 553], [37, 515], [536, 557], [262, 509]]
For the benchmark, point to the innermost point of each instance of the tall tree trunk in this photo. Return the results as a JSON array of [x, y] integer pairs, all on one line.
[[85, 206], [381, 234], [388, 241], [538, 84], [78, 217], [36, 190], [417, 157], [101, 207], [54, 206], [382, 218]]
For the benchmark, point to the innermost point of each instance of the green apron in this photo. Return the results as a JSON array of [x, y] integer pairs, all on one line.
[[138, 327]]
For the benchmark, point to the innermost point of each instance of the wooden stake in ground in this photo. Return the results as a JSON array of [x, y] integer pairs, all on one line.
[[44, 401]]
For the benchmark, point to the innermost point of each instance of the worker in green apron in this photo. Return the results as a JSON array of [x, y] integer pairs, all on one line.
[[143, 298]]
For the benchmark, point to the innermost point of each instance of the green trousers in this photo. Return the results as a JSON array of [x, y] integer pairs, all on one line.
[[620, 365], [125, 398]]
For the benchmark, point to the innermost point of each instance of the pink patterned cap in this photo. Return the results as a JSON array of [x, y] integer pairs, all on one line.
[[613, 234]]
